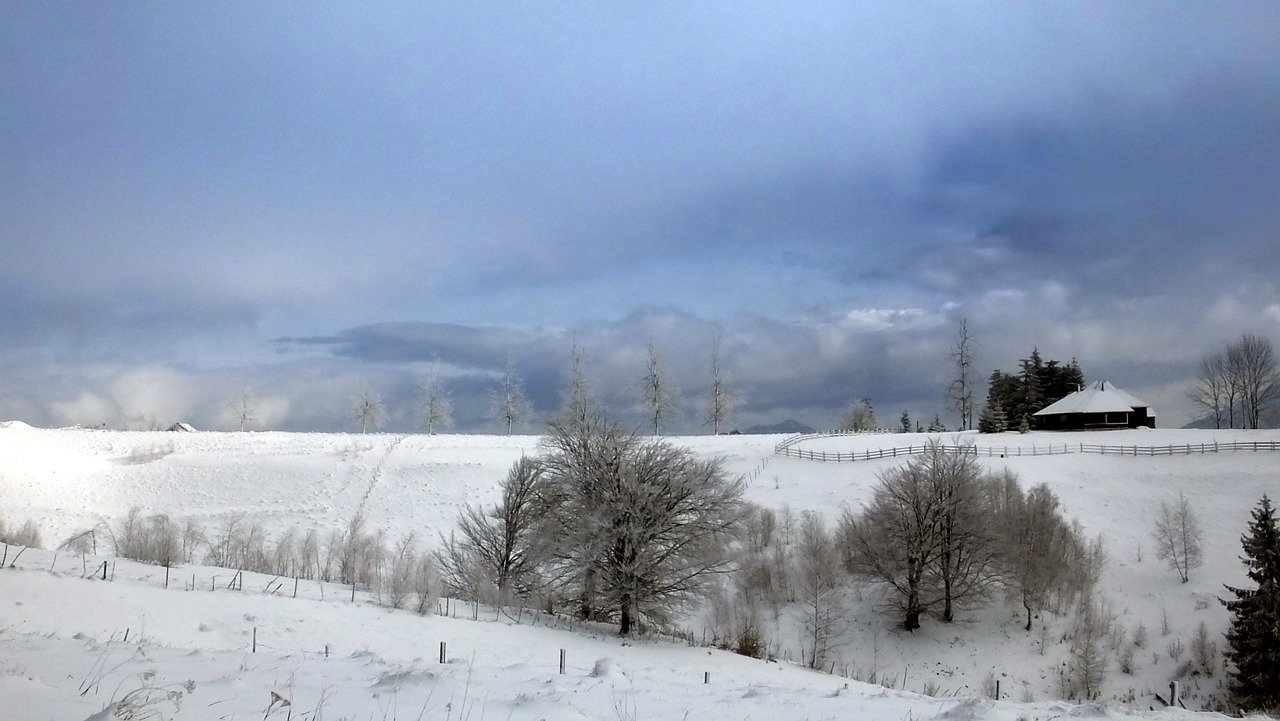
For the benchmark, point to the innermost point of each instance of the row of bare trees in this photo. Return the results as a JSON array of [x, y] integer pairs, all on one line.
[[1237, 386]]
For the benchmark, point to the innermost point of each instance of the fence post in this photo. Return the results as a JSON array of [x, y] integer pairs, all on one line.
[[706, 677], [562, 662], [442, 652], [255, 639]]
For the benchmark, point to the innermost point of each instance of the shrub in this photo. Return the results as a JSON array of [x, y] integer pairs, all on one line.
[[28, 535]]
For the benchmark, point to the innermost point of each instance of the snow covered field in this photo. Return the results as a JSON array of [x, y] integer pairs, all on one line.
[[64, 652]]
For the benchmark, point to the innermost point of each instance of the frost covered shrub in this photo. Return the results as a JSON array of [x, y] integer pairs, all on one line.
[[27, 535], [399, 581], [151, 539], [426, 583], [241, 545]]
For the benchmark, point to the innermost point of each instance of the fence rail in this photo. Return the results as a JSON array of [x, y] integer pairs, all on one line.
[[787, 448]]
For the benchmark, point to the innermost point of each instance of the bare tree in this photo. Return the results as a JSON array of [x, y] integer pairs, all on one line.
[[501, 550], [963, 375], [968, 552], [895, 540], [643, 526], [927, 535], [244, 407], [435, 405], [1254, 361], [1210, 391], [510, 406], [1038, 544], [1087, 665], [1178, 537], [859, 417], [819, 583], [577, 407], [1242, 382], [724, 398], [657, 391], [368, 409]]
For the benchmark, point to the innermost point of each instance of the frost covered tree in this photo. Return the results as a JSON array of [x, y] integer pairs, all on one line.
[[657, 391], [1253, 639], [963, 375], [577, 407], [435, 405], [509, 405], [244, 407], [1038, 545], [1178, 537], [723, 397], [818, 581], [859, 417], [498, 554], [643, 524], [367, 409]]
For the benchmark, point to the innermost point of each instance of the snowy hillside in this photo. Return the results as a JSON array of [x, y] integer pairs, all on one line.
[[63, 652]]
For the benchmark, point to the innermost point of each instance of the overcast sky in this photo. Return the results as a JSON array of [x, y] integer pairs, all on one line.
[[307, 197]]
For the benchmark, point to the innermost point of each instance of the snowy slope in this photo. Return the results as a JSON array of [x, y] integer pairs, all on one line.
[[65, 631]]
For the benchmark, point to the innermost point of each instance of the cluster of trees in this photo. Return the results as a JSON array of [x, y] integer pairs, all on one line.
[[1238, 385], [942, 534], [1012, 399]]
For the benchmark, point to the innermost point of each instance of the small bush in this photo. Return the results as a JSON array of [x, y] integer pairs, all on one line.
[[1204, 652], [749, 642], [28, 535], [1126, 660], [1140, 636]]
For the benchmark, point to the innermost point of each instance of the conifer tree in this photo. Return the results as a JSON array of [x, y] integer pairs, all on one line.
[[1253, 640], [992, 419]]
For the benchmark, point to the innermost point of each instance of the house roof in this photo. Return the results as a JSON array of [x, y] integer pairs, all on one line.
[[1099, 397]]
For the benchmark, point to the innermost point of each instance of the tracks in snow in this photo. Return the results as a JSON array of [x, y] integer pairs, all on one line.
[[375, 473]]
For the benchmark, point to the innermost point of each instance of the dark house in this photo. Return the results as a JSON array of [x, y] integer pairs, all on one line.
[[1100, 405]]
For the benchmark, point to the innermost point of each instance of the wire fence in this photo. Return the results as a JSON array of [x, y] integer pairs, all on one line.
[[787, 448]]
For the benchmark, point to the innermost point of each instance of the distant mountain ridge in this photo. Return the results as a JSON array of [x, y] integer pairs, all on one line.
[[787, 426]]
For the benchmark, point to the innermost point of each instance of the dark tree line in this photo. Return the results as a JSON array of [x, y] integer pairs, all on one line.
[[1013, 398]]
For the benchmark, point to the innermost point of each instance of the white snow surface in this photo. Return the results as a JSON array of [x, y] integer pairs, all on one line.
[[73, 646]]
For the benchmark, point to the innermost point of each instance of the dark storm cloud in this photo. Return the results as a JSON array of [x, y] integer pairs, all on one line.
[[829, 187]]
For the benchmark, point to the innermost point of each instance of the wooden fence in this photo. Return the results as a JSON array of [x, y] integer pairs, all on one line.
[[787, 448]]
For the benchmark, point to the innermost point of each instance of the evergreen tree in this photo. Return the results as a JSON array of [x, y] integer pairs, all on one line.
[[904, 423], [1253, 640], [992, 419]]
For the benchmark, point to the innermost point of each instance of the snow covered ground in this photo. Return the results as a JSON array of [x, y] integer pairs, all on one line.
[[189, 651]]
